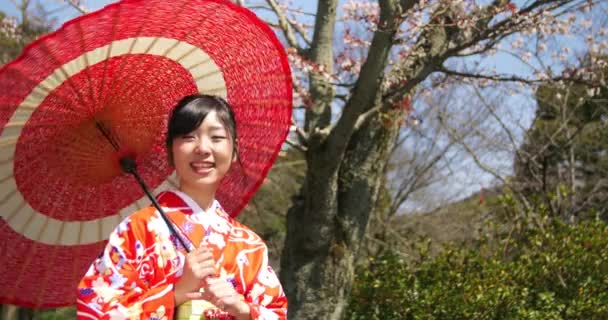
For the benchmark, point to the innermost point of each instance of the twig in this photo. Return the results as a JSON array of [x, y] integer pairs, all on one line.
[[285, 25], [76, 5], [296, 145]]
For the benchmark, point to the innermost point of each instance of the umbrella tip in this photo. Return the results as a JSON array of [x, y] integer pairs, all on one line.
[[128, 164]]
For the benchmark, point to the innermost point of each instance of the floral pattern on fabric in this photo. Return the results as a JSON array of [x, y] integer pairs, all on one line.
[[134, 277]]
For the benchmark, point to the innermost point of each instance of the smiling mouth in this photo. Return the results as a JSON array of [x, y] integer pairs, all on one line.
[[202, 168]]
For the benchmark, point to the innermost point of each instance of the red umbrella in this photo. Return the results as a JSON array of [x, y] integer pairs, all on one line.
[[99, 89]]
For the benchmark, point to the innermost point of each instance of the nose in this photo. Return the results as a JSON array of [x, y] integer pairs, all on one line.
[[203, 146]]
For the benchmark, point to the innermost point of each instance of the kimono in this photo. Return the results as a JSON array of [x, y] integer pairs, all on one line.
[[134, 276]]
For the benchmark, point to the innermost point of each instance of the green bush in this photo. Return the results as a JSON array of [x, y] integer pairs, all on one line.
[[560, 272]]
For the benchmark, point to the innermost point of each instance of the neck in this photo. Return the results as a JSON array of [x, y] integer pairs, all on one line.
[[202, 196]]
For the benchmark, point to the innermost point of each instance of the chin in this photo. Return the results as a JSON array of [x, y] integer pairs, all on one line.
[[207, 183]]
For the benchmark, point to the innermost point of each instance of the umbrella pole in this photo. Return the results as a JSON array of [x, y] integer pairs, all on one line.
[[128, 166]]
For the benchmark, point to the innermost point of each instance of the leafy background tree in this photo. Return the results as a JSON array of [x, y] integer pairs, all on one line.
[[33, 22], [558, 273], [566, 149]]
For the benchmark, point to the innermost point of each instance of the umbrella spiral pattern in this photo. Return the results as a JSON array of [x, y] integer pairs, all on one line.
[[100, 88]]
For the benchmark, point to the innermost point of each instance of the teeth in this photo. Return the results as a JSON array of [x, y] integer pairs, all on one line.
[[202, 165]]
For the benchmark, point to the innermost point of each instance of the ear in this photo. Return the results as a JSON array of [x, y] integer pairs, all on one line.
[[235, 151]]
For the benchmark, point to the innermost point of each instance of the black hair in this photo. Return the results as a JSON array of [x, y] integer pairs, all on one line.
[[191, 111]]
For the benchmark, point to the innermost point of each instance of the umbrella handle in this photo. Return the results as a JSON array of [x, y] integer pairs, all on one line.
[[128, 165]]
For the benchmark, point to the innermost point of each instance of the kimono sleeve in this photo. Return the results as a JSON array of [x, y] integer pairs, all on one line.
[[267, 300], [125, 281]]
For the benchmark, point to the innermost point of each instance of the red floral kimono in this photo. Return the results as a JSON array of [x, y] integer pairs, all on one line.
[[134, 277]]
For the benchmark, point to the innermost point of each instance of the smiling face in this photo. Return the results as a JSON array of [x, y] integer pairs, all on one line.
[[203, 157], [202, 144]]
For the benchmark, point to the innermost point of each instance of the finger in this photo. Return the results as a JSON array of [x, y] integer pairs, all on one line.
[[221, 292], [195, 295], [203, 272], [208, 263], [219, 281], [193, 259], [203, 264], [202, 256], [217, 284], [228, 301]]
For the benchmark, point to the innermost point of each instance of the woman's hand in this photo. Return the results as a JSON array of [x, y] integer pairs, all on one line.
[[223, 295], [198, 266]]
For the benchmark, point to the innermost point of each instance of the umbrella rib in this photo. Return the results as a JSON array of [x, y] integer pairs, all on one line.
[[47, 272], [149, 70], [5, 179], [39, 124], [198, 64], [74, 89], [41, 86], [100, 230], [87, 63], [9, 217], [80, 227], [6, 161], [159, 115], [205, 75], [109, 52], [21, 274], [66, 76], [189, 52], [108, 135], [126, 91], [214, 90], [123, 61], [140, 64], [8, 141], [6, 197], [164, 54], [43, 90], [27, 223]]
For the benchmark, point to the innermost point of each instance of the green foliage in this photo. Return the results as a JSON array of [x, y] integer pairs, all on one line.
[[58, 314], [15, 35], [559, 271], [265, 213]]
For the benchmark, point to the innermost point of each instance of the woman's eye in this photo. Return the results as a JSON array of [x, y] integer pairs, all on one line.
[[217, 138]]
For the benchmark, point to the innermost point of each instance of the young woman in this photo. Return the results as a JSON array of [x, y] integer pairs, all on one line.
[[144, 273]]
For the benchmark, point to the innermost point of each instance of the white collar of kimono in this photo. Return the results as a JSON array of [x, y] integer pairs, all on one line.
[[196, 209]]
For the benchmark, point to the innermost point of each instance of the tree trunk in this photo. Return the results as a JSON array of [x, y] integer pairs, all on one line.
[[334, 205]]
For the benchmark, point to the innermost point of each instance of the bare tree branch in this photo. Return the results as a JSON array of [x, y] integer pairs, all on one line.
[[407, 187], [459, 138], [366, 116], [439, 41], [77, 5], [490, 77], [496, 117], [296, 145], [286, 27], [302, 136]]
